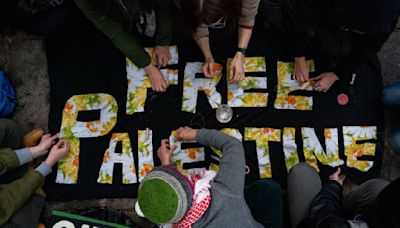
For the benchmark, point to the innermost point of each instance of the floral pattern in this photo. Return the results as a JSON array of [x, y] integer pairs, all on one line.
[[287, 85], [192, 85], [312, 146], [145, 152], [353, 150], [181, 156], [72, 130], [125, 158], [290, 148], [138, 81], [263, 136], [237, 97]]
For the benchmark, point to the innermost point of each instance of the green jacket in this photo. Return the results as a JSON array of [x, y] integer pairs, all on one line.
[[14, 195], [125, 40]]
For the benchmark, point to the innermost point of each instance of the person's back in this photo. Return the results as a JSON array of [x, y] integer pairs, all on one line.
[[226, 210], [208, 199]]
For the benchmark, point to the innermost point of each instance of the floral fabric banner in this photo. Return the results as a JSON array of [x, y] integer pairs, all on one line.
[[104, 106]]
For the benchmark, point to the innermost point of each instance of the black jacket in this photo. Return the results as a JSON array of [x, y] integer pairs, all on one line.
[[368, 22], [326, 209]]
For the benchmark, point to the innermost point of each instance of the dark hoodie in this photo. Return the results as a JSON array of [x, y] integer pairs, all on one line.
[[369, 23]]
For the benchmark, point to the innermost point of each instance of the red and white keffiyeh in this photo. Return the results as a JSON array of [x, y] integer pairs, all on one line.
[[201, 198]]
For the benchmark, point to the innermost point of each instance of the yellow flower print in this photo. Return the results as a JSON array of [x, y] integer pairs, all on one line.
[[145, 169], [106, 156]]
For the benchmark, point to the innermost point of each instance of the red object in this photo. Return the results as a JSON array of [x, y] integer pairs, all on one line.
[[342, 99]]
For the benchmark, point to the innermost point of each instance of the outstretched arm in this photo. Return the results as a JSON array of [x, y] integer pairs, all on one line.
[[231, 174], [122, 39]]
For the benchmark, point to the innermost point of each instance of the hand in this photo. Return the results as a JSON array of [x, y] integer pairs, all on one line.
[[165, 152], [337, 176], [161, 55], [45, 143], [57, 152], [324, 81], [208, 67], [186, 134], [157, 80], [301, 71], [236, 70]]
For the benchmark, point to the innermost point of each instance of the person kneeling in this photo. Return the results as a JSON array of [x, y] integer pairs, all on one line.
[[208, 199], [18, 206]]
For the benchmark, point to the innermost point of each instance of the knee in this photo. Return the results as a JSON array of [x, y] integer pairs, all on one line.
[[302, 168], [395, 140], [375, 186], [8, 127], [391, 95], [270, 186], [268, 190]]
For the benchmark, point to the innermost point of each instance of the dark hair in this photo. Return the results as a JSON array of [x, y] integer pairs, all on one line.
[[192, 13], [127, 12]]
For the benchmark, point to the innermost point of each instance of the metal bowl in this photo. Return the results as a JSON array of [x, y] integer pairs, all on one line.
[[224, 113]]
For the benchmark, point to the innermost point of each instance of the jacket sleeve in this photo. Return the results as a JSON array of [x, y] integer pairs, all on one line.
[[299, 16], [14, 195], [201, 31], [326, 207], [122, 39], [8, 160], [248, 12], [231, 174], [165, 21], [364, 47]]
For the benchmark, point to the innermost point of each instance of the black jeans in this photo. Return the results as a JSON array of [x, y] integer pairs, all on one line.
[[264, 198]]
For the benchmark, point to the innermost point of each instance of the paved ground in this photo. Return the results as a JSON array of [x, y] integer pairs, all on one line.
[[23, 58]]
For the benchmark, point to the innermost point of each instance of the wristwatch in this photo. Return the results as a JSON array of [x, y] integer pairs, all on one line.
[[242, 50]]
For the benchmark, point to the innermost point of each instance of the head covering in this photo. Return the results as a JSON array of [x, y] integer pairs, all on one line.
[[165, 195]]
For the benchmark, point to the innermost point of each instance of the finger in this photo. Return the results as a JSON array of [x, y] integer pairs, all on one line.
[[298, 77], [164, 141], [165, 60], [46, 136], [318, 77], [173, 147], [54, 137], [306, 77], [338, 171], [67, 146], [59, 144], [243, 76], [205, 70], [231, 74], [169, 57], [211, 69]]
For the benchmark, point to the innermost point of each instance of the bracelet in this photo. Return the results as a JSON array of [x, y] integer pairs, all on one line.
[[242, 50]]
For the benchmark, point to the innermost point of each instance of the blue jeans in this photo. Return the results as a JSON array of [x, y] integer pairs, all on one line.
[[391, 95], [395, 140], [391, 98]]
